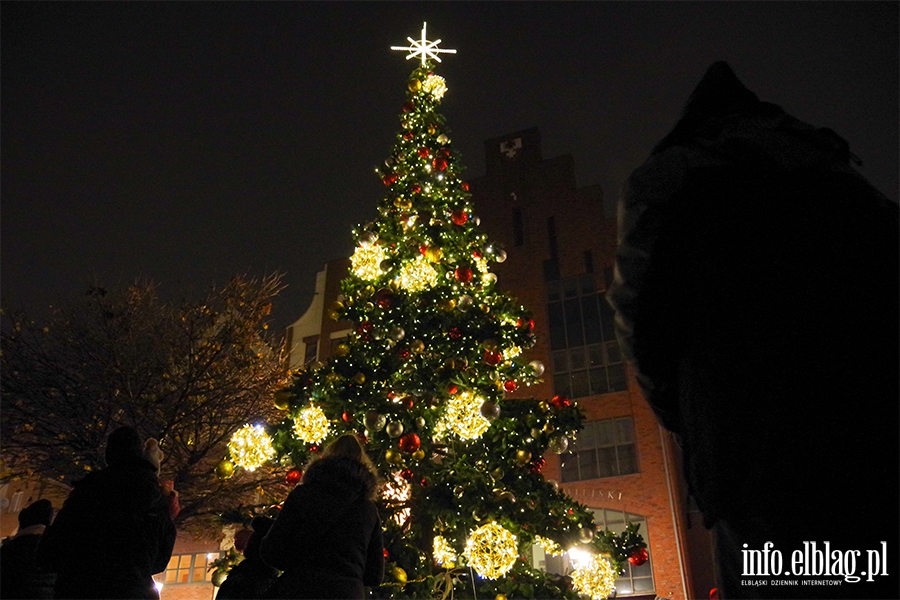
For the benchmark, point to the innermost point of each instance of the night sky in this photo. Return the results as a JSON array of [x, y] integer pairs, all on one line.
[[187, 142]]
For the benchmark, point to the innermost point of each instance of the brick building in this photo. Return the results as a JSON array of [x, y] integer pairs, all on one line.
[[560, 248]]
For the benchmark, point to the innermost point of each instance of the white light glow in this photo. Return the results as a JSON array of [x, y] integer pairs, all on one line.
[[423, 48]]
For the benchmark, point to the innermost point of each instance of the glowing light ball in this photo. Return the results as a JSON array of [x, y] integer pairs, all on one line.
[[549, 546], [435, 85], [462, 417], [366, 261], [417, 275], [311, 425], [250, 447], [491, 550], [443, 552], [596, 578]]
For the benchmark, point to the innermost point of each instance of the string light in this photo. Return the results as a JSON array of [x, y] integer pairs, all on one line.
[[595, 578], [417, 275], [366, 261], [491, 550], [311, 425], [443, 552], [549, 546], [462, 417], [435, 85], [250, 447], [398, 491]]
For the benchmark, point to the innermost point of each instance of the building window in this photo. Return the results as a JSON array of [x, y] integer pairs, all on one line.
[[585, 353], [312, 347], [636, 580], [518, 228], [603, 449], [190, 568]]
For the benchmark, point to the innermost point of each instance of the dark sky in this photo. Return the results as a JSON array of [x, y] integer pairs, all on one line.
[[186, 142]]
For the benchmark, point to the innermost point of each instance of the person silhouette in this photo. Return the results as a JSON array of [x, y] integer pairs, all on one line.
[[756, 297]]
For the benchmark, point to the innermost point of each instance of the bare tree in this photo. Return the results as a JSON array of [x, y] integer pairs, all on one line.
[[189, 374]]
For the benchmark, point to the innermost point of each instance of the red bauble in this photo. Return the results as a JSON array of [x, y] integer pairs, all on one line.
[[560, 401], [403, 352], [408, 135], [409, 443], [423, 249], [639, 557], [386, 553], [454, 333], [365, 327], [510, 386], [362, 438], [347, 417], [408, 106], [314, 448], [407, 474], [424, 152], [463, 274], [459, 217], [465, 186], [389, 179], [416, 188], [492, 358], [293, 476], [384, 298], [452, 389], [439, 164]]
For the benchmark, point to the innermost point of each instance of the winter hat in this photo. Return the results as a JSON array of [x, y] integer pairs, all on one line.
[[152, 453], [39, 512], [124, 444]]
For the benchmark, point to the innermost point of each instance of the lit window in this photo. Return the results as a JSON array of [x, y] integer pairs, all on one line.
[[190, 568]]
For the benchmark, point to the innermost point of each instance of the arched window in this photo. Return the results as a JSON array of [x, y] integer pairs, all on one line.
[[636, 581]]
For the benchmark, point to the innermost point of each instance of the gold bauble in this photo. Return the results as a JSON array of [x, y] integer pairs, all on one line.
[[399, 574], [418, 454], [218, 577], [283, 399], [414, 85], [417, 346], [341, 350], [358, 379], [448, 305], [434, 254], [522, 457], [402, 203], [500, 597], [224, 469], [392, 456]]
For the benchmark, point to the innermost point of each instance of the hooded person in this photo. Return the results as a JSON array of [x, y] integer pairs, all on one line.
[[114, 531], [756, 295], [251, 577], [327, 539], [20, 576]]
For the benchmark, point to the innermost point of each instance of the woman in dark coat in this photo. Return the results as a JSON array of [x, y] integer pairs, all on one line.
[[327, 539]]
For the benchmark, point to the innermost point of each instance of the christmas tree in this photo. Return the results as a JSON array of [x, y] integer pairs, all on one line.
[[435, 346]]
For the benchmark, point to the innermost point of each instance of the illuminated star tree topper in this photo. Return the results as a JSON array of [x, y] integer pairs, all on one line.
[[423, 48]]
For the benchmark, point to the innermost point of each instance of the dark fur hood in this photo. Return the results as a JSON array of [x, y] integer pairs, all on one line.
[[342, 473]]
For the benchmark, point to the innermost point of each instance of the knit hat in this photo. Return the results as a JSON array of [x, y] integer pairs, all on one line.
[[123, 445], [39, 512], [152, 452]]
